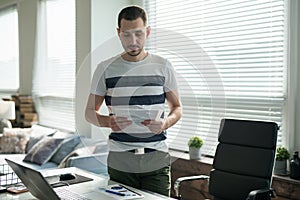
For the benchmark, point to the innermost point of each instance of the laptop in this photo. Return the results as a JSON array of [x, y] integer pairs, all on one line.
[[39, 187]]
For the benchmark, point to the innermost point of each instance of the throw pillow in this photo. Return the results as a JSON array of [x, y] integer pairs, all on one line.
[[38, 132], [61, 134], [42, 151], [66, 147], [100, 144], [77, 152], [14, 140], [32, 141], [42, 130]]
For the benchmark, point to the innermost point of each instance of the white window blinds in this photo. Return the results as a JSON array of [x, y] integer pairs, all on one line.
[[230, 59], [9, 50], [54, 74]]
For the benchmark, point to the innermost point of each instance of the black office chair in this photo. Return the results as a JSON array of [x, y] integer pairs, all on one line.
[[243, 162]]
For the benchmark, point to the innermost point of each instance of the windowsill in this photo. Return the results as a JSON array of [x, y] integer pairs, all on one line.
[[183, 155], [286, 179]]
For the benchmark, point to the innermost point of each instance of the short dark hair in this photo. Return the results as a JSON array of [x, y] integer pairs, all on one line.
[[132, 13]]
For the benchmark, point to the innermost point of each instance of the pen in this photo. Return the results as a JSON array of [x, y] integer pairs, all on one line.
[[114, 192], [131, 190]]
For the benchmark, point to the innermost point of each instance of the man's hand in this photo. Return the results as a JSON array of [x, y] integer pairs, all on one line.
[[118, 123], [155, 126]]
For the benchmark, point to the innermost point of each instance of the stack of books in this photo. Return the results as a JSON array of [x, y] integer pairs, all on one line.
[[26, 114]]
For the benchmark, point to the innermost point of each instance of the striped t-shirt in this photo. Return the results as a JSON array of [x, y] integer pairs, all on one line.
[[130, 86]]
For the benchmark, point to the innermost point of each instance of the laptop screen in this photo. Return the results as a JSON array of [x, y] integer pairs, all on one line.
[[34, 181]]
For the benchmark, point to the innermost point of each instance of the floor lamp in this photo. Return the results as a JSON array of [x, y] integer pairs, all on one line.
[[7, 112]]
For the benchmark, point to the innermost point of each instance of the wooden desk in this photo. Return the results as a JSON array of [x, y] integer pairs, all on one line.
[[89, 189]]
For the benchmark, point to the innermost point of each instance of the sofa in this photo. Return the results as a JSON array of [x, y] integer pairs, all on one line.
[[43, 148]]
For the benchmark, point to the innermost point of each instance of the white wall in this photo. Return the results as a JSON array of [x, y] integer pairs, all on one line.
[[103, 44], [83, 74], [27, 26]]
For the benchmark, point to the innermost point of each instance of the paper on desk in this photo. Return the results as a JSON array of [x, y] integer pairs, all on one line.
[[130, 194]]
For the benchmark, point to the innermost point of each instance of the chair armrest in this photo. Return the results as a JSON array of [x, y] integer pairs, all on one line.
[[96, 163], [187, 178], [261, 194]]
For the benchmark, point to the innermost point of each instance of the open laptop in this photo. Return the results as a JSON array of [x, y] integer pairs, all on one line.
[[39, 187]]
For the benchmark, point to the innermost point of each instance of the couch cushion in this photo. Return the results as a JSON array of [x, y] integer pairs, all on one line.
[[19, 159], [100, 145], [89, 150], [14, 140], [61, 134], [42, 152], [37, 133], [42, 130], [32, 141], [65, 148]]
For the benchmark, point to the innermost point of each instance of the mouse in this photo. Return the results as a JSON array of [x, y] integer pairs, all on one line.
[[66, 177]]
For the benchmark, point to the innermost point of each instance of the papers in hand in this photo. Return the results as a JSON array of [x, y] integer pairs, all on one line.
[[137, 116]]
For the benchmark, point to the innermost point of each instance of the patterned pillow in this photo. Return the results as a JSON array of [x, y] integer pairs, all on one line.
[[14, 140], [77, 152], [42, 151], [38, 132], [66, 147], [32, 141]]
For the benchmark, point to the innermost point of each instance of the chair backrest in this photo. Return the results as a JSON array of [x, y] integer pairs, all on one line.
[[244, 158]]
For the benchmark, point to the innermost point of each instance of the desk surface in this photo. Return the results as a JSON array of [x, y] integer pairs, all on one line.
[[89, 189]]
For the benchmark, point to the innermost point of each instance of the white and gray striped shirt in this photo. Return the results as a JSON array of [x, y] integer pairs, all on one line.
[[131, 86]]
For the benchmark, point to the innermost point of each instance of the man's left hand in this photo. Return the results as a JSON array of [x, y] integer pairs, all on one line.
[[155, 126]]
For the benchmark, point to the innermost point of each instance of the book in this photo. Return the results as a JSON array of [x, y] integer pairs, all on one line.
[[27, 110], [30, 116], [26, 105]]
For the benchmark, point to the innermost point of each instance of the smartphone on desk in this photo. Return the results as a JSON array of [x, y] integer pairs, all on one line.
[[17, 189]]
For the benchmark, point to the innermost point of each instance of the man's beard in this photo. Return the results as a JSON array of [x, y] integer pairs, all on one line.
[[134, 53]]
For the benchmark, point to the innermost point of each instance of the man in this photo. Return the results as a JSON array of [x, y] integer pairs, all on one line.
[[135, 86]]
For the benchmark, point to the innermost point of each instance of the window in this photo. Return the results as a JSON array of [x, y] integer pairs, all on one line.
[[230, 56], [9, 50], [55, 70]]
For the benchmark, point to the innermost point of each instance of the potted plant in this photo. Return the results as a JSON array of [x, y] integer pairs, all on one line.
[[282, 155], [195, 143]]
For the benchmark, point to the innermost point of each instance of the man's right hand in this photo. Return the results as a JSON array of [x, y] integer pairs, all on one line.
[[118, 123]]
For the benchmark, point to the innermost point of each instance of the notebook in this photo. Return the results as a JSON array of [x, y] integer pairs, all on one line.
[[39, 187]]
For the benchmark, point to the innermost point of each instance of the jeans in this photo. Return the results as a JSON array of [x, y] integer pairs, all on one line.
[[149, 171]]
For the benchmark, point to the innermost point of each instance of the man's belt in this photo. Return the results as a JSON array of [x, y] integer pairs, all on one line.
[[142, 150]]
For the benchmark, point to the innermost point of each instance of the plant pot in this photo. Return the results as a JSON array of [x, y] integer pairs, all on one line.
[[280, 167], [195, 153]]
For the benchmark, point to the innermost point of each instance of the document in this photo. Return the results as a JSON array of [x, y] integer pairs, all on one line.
[[137, 116]]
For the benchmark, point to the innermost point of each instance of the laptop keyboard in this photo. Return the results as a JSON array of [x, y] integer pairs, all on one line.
[[66, 194]]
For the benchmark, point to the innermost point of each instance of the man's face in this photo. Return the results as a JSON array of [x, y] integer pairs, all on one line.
[[133, 35]]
